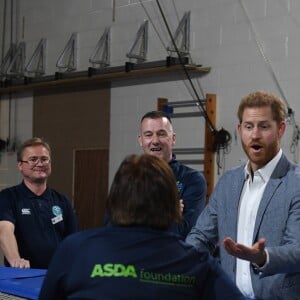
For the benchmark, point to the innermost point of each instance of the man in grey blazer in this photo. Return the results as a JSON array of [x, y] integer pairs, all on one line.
[[254, 211]]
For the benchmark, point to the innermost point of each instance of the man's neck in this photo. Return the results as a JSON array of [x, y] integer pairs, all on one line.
[[38, 188]]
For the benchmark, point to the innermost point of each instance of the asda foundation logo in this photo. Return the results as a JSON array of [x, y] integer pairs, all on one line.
[[113, 270], [121, 270]]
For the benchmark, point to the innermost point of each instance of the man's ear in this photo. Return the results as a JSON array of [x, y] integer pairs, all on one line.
[[239, 128], [174, 139], [140, 140], [282, 127], [19, 165]]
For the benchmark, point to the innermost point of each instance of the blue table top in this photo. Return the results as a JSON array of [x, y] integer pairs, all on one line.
[[21, 282]]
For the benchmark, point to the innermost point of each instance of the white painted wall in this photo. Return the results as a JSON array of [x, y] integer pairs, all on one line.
[[221, 38], [15, 125]]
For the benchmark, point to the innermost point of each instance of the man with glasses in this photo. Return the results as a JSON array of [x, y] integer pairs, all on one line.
[[34, 218]]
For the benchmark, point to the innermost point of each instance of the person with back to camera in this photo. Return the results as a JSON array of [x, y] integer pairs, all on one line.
[[136, 257], [254, 210], [33, 217], [158, 138]]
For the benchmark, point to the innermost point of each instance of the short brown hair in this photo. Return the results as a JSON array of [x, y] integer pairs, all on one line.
[[35, 141], [156, 114], [144, 193], [261, 99]]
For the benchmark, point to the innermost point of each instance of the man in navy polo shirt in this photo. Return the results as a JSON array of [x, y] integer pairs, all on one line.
[[157, 137], [33, 217]]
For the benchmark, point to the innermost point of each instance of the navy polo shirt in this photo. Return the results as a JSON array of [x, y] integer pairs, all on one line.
[[41, 222], [133, 263]]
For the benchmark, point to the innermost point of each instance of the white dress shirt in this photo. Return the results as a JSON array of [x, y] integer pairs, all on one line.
[[249, 202]]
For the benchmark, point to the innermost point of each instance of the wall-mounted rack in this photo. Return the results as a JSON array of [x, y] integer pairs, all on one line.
[[157, 71]]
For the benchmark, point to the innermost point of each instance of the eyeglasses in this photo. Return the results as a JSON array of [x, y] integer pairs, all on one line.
[[32, 161]]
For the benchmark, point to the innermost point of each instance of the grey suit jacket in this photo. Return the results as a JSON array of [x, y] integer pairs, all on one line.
[[278, 220]]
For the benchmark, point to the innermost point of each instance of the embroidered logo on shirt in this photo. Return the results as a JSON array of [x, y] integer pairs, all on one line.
[[26, 211], [56, 210], [121, 270], [179, 186], [117, 270]]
